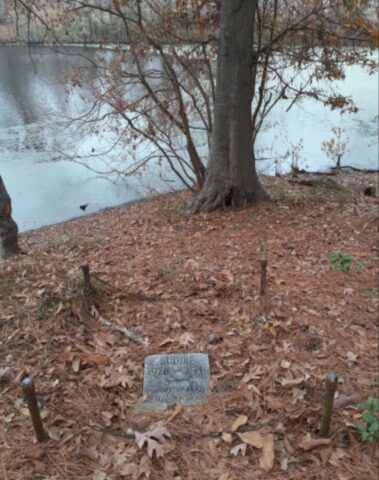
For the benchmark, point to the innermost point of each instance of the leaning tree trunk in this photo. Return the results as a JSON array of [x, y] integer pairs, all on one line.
[[231, 178], [8, 227]]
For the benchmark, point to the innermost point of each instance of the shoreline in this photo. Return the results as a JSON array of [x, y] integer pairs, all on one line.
[[267, 179], [101, 211]]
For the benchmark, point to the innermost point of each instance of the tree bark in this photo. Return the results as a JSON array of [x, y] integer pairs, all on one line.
[[231, 178], [8, 227]]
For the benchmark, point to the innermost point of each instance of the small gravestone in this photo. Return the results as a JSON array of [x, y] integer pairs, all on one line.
[[176, 378]]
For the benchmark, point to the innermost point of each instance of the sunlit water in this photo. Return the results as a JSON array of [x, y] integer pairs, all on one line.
[[45, 192]]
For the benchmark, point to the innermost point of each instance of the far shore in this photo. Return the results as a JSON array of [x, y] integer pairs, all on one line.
[[54, 45]]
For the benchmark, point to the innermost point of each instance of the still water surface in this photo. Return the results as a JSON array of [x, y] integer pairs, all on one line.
[[45, 192]]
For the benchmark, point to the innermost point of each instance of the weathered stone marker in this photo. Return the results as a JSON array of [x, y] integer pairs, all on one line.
[[8, 227], [176, 378]]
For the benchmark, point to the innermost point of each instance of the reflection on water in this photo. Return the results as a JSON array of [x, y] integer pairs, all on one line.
[[45, 193]]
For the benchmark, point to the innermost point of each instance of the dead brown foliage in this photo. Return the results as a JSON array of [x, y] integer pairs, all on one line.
[[174, 281]]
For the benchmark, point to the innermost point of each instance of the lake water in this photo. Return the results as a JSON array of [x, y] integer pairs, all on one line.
[[45, 192]]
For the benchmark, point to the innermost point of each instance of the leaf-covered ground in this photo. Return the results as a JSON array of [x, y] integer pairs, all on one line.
[[191, 284]]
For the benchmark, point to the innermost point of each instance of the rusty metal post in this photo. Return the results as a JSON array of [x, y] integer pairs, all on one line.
[[331, 386], [31, 399], [263, 262]]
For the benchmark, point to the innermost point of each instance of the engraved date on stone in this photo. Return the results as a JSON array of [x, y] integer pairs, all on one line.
[[177, 378]]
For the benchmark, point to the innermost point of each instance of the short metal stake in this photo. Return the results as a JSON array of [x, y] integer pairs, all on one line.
[[331, 386], [31, 399]]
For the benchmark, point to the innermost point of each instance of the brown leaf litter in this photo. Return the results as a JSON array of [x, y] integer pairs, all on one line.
[[183, 284]]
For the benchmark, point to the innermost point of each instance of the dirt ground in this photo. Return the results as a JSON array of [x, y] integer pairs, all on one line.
[[192, 284]]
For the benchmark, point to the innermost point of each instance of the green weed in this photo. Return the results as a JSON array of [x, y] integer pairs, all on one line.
[[245, 327], [370, 293], [369, 428], [270, 328], [340, 261]]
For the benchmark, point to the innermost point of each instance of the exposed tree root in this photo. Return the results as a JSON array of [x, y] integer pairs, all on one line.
[[210, 199]]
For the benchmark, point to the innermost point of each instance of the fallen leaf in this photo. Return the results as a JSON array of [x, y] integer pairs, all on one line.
[[8, 418], [121, 463], [298, 394], [5, 376], [287, 347], [75, 365], [154, 438], [90, 452], [44, 412], [284, 464], [152, 445], [252, 438], [59, 309], [279, 428], [240, 448], [241, 420], [54, 433], [93, 358], [290, 382], [336, 457], [345, 401], [273, 402], [107, 418], [186, 339], [165, 342], [178, 408], [266, 442], [351, 356], [225, 476], [348, 291], [285, 364], [126, 470], [341, 476], [324, 454], [66, 355], [307, 442], [113, 377], [253, 374], [190, 263], [143, 470], [266, 462], [229, 276], [99, 475], [227, 437], [66, 437]]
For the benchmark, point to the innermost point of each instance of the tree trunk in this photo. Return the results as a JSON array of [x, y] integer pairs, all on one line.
[[231, 178], [8, 227]]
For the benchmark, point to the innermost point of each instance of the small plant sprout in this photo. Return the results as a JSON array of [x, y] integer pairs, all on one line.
[[268, 325], [369, 427], [294, 153], [245, 327], [341, 262], [331, 386], [336, 147]]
